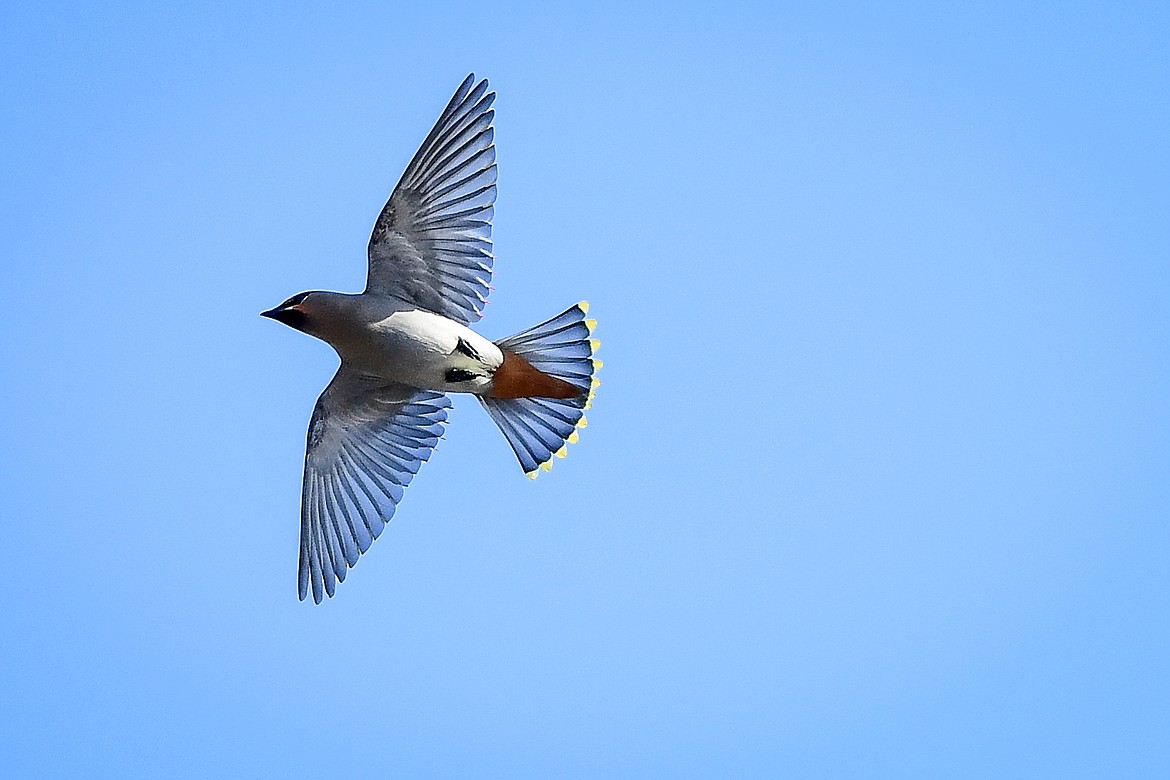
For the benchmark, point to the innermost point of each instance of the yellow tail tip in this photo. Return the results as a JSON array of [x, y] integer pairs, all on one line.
[[583, 306]]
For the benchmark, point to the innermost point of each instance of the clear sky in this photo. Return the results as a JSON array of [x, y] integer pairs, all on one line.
[[877, 482]]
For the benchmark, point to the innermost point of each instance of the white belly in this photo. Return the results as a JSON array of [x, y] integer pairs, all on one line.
[[419, 348]]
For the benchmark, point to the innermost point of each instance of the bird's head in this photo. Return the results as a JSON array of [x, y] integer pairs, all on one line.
[[330, 316]]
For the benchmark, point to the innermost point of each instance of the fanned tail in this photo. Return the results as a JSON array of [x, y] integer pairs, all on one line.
[[538, 426]]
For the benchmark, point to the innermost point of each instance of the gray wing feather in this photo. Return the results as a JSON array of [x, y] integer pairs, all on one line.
[[366, 440], [432, 243]]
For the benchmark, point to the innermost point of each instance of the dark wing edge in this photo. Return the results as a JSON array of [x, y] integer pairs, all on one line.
[[432, 242], [366, 441]]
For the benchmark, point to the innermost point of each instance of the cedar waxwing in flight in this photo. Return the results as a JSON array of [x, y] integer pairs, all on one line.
[[404, 343]]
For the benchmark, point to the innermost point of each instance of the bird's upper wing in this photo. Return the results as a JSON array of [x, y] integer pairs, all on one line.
[[432, 243], [366, 440]]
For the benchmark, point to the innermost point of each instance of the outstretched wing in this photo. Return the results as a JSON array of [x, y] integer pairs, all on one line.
[[432, 243], [366, 441]]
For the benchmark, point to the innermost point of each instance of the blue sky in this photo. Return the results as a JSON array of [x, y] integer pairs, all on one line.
[[877, 482]]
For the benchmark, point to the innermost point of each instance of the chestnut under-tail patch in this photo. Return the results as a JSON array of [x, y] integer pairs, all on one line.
[[517, 378]]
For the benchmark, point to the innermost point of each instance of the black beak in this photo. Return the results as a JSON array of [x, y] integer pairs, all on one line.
[[289, 315]]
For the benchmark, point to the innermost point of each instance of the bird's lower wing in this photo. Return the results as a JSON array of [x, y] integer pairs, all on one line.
[[366, 440]]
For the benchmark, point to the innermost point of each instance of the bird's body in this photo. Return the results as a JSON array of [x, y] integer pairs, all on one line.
[[405, 341], [384, 337]]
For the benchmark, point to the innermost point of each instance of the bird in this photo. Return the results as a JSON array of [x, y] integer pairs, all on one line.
[[405, 342]]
